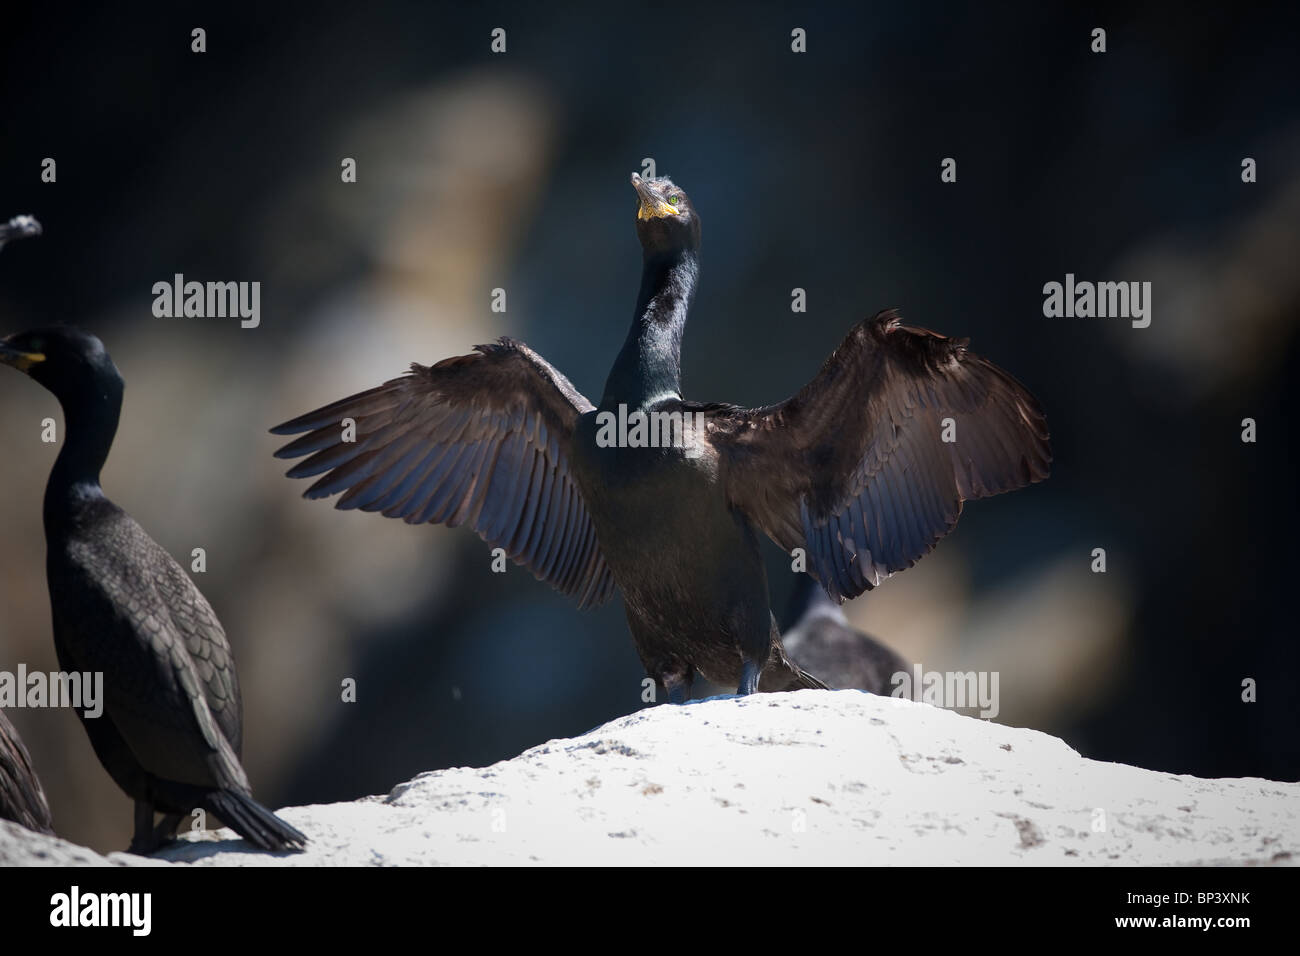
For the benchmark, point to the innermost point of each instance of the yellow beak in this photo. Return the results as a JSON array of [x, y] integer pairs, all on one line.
[[652, 206], [18, 359]]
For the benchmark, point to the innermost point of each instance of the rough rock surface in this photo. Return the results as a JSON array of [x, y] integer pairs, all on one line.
[[813, 777]]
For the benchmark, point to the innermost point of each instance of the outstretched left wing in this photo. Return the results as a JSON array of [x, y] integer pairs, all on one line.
[[857, 467]]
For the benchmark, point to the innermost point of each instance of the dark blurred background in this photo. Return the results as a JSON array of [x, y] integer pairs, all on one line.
[[818, 171]]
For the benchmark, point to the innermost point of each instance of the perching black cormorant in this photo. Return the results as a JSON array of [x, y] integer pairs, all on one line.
[[21, 798], [854, 469], [819, 638], [170, 731]]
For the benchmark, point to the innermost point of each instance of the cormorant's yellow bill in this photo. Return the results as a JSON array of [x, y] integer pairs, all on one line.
[[17, 358], [653, 205]]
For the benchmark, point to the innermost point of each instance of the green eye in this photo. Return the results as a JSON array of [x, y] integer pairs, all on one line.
[[672, 200]]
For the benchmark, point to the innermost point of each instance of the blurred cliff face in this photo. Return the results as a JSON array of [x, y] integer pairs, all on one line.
[[820, 171]]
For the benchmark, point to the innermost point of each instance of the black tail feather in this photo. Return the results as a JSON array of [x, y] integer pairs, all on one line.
[[256, 824], [805, 681]]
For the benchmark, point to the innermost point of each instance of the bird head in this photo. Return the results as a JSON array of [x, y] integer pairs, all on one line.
[[19, 227], [666, 221], [64, 359]]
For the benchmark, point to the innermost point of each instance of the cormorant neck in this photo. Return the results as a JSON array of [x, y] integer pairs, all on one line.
[[649, 368], [89, 424]]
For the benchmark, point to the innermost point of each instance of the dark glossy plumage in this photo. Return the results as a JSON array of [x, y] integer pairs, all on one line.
[[482, 439], [853, 469], [819, 638], [170, 730], [21, 798]]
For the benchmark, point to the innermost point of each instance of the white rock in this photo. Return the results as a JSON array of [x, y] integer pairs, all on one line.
[[813, 777]]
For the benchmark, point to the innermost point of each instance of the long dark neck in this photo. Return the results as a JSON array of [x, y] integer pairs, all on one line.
[[649, 368], [89, 424]]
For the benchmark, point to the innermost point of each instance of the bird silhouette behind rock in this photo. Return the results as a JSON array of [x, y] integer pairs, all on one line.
[[820, 638]]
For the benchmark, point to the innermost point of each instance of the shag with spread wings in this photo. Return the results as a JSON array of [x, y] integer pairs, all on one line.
[[866, 468]]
